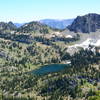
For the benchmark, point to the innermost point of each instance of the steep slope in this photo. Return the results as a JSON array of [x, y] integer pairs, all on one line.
[[58, 24], [86, 24]]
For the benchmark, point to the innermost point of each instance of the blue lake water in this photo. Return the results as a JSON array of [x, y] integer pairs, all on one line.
[[49, 69]]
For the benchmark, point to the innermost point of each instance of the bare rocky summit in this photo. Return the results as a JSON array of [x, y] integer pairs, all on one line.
[[86, 24]]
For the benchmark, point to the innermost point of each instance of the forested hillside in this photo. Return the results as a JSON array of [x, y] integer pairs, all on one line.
[[31, 47]]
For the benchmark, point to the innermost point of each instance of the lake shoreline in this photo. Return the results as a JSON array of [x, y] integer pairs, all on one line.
[[46, 69]]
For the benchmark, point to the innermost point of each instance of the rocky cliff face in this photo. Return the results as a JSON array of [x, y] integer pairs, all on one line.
[[86, 24]]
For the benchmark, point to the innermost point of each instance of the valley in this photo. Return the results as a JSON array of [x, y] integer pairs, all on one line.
[[38, 62]]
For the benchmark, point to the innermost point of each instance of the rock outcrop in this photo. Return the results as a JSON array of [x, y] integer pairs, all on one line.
[[86, 24]]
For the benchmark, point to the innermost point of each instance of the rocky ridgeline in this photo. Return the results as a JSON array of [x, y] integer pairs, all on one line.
[[86, 24], [34, 27], [7, 26]]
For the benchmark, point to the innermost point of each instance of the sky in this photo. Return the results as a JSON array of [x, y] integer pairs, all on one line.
[[31, 10]]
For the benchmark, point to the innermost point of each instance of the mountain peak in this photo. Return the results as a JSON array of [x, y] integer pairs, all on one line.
[[7, 26], [34, 26], [86, 24]]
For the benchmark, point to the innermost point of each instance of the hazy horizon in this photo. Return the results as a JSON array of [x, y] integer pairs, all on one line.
[[22, 11]]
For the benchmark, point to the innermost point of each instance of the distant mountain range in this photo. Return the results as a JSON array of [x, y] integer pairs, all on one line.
[[82, 24], [57, 24], [18, 24], [53, 23]]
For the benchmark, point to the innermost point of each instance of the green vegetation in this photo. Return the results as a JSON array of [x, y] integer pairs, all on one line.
[[21, 53]]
